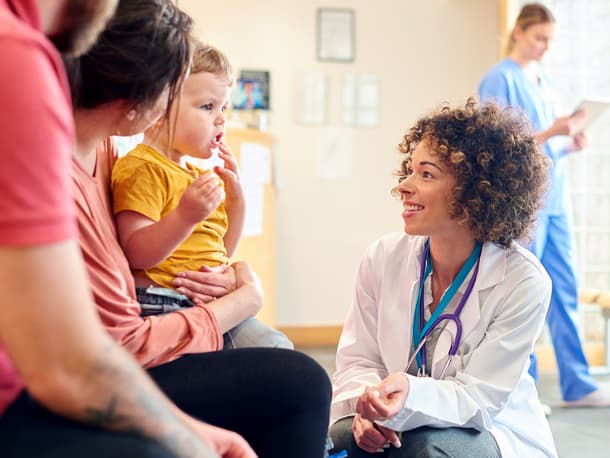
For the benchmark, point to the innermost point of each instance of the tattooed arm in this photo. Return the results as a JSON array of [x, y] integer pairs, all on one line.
[[51, 330]]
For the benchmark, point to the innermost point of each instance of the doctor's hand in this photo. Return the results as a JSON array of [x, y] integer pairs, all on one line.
[[384, 400], [371, 437]]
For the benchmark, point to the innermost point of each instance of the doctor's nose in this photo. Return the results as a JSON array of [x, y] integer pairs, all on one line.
[[406, 184]]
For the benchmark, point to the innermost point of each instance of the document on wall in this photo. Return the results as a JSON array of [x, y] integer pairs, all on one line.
[[310, 98], [255, 172], [360, 100], [334, 153], [254, 194], [255, 162], [368, 100]]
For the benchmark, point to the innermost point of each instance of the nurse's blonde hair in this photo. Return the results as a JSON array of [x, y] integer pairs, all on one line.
[[531, 14]]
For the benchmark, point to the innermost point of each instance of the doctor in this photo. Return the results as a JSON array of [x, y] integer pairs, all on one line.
[[434, 354]]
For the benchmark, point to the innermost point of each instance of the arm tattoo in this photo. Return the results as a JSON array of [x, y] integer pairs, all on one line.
[[126, 400]]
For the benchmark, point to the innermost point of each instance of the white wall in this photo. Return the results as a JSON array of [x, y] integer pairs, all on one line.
[[423, 52]]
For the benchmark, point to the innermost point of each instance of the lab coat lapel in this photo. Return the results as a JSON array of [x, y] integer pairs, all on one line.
[[492, 268], [396, 336], [409, 334]]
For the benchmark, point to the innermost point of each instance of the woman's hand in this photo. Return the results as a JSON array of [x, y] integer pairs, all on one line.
[[580, 142], [247, 278], [245, 302], [564, 125], [207, 284], [371, 437], [384, 400]]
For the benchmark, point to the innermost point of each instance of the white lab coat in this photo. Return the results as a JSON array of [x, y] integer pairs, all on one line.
[[487, 386]]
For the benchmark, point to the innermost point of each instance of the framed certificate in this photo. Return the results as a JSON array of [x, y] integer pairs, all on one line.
[[336, 36]]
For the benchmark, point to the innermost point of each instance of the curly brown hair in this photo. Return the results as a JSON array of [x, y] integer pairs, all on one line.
[[500, 171]]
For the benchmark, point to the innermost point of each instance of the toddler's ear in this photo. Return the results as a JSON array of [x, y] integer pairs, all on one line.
[[131, 114]]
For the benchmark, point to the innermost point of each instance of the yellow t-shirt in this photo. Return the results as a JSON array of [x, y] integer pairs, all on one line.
[[147, 182]]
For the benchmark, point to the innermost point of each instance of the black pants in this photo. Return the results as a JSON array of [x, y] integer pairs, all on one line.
[[277, 399]]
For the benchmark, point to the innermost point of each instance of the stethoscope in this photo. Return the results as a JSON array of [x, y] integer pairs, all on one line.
[[422, 329]]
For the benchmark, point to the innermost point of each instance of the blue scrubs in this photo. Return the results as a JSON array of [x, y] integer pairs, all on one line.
[[507, 84]]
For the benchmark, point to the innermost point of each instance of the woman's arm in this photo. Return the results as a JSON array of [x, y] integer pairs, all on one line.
[[158, 339], [563, 126], [244, 302]]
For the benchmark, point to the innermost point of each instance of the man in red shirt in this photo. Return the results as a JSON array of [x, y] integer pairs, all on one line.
[[55, 358]]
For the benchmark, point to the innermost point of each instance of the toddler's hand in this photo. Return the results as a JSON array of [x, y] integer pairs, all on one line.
[[230, 172], [201, 198]]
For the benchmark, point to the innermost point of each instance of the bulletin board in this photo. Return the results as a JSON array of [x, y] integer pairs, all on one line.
[[257, 246]]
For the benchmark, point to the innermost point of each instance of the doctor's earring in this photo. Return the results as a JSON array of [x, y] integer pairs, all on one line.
[[131, 115]]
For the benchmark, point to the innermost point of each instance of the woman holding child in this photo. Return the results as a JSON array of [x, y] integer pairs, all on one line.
[[274, 398]]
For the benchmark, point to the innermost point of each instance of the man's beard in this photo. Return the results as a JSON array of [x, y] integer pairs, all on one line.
[[81, 23]]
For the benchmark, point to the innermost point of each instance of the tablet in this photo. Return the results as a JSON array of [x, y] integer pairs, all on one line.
[[594, 109]]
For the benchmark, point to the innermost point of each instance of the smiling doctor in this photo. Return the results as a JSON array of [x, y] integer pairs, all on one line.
[[434, 355]]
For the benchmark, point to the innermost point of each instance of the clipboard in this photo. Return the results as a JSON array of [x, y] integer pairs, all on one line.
[[594, 108]]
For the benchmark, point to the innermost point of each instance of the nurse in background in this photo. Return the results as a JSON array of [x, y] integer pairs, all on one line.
[[520, 81], [470, 182]]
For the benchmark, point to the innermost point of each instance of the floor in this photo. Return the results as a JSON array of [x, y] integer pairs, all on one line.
[[578, 433]]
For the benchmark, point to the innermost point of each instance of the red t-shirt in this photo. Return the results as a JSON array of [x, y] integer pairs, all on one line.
[[36, 140]]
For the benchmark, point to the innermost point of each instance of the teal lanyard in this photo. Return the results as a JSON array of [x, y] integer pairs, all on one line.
[[420, 330]]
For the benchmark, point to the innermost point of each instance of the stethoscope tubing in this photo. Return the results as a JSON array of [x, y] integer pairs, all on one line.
[[455, 317]]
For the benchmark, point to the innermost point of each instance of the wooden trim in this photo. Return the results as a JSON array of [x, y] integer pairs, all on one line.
[[315, 336], [328, 336], [594, 353], [507, 13]]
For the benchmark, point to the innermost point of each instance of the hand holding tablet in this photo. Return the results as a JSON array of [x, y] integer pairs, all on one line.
[[593, 109]]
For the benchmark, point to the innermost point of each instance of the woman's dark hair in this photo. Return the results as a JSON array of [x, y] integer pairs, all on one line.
[[145, 48], [500, 171]]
